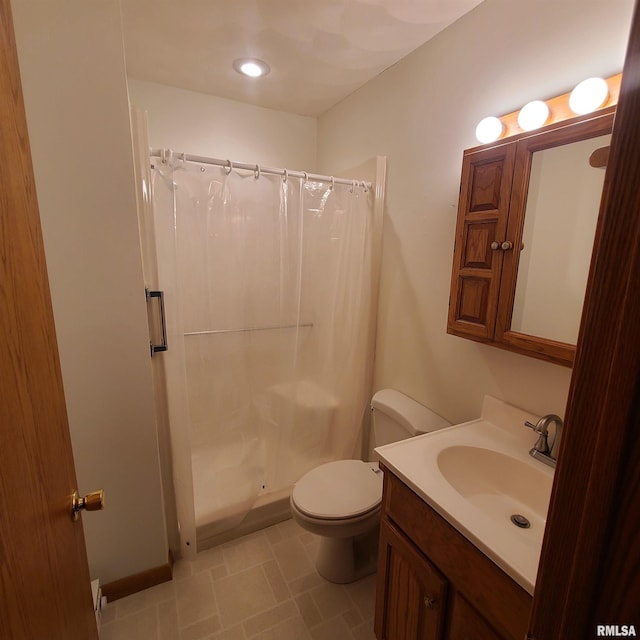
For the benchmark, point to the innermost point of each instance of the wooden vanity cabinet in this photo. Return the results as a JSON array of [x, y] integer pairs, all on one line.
[[414, 590], [434, 584]]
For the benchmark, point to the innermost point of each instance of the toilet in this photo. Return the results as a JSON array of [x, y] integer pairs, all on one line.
[[340, 501]]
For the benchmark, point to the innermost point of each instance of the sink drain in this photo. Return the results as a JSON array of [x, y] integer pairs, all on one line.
[[520, 521]]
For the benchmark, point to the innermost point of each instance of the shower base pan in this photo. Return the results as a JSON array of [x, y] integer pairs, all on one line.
[[268, 509]]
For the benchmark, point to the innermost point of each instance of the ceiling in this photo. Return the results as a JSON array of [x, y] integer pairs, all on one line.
[[319, 51]]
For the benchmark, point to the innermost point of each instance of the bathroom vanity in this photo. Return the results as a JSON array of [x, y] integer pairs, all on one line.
[[463, 518], [433, 583]]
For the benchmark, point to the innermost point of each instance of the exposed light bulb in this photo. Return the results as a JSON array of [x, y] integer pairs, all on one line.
[[251, 67], [489, 129], [588, 95], [533, 115]]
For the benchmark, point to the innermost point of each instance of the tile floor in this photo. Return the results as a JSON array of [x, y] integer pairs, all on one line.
[[262, 586]]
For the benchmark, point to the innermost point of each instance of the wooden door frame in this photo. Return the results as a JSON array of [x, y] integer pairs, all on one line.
[[591, 548]]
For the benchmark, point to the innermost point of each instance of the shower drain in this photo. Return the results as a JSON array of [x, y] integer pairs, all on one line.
[[520, 521]]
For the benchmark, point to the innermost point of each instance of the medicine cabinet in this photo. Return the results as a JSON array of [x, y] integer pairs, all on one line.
[[526, 222]]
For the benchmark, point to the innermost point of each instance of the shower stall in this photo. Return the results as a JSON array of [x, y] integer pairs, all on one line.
[[269, 287]]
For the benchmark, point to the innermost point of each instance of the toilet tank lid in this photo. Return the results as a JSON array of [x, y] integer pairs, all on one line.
[[412, 415]]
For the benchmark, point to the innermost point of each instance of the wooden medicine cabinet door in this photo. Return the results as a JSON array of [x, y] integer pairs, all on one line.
[[481, 228]]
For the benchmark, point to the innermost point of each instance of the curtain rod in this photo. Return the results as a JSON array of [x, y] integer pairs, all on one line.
[[256, 168]]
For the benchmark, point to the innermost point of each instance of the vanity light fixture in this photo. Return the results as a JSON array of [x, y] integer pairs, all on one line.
[[533, 115], [252, 67], [489, 129], [588, 95]]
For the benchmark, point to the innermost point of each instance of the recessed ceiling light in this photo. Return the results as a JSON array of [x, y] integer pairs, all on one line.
[[251, 67]]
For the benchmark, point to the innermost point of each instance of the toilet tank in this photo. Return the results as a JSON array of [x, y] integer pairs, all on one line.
[[397, 417]]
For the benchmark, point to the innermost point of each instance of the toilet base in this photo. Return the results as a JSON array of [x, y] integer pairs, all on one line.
[[344, 560], [347, 549]]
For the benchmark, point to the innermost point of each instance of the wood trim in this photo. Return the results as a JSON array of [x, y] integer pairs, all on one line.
[[561, 353], [599, 157], [138, 581], [588, 568]]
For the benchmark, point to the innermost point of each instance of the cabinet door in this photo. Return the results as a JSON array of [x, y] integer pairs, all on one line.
[[480, 231], [411, 593], [467, 624]]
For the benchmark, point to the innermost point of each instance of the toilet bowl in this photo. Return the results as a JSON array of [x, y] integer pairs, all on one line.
[[320, 504], [340, 501]]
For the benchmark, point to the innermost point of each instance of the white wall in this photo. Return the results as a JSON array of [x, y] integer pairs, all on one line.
[[422, 114], [191, 122], [73, 77]]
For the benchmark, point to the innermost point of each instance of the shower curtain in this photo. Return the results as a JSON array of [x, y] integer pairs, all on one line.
[[269, 292]]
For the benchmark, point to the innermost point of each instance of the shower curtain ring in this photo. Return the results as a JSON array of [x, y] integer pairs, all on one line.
[[229, 167], [333, 183], [285, 176], [163, 156], [353, 186], [305, 175], [364, 186], [256, 172]]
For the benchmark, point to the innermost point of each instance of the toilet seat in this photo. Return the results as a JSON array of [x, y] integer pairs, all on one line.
[[339, 490]]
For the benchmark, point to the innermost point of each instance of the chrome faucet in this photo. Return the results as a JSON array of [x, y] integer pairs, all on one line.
[[541, 449]]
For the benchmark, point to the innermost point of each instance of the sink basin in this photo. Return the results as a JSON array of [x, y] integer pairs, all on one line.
[[496, 483], [477, 475]]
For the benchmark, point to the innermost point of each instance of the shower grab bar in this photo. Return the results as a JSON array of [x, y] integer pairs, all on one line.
[[155, 348], [268, 328]]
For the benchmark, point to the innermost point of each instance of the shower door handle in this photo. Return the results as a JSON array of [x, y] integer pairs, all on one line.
[[154, 348]]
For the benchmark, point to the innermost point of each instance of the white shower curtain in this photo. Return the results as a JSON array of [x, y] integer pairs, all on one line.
[[269, 291]]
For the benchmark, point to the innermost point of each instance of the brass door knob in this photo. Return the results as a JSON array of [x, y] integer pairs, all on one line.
[[93, 501], [506, 245]]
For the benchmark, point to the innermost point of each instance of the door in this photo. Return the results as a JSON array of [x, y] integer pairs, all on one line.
[[480, 231], [588, 573], [44, 576], [465, 623], [411, 595]]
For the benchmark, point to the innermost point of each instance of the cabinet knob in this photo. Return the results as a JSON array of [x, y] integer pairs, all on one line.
[[430, 603], [495, 245], [506, 245]]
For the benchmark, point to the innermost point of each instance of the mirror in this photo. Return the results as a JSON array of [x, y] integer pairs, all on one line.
[[560, 218], [553, 210]]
